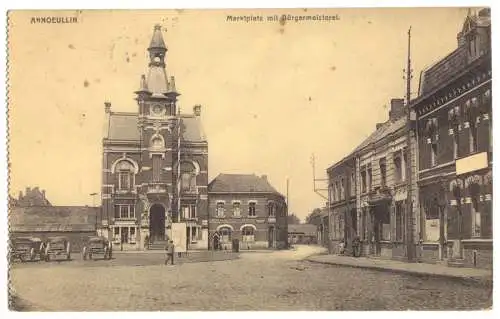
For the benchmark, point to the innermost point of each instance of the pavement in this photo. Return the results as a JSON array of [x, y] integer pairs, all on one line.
[[277, 280], [482, 276]]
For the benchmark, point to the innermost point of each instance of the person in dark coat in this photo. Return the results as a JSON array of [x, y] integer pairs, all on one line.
[[169, 248]]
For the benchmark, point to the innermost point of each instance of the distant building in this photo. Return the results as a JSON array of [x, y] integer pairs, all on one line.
[[31, 197], [246, 207], [155, 164], [302, 234], [454, 114], [75, 222]]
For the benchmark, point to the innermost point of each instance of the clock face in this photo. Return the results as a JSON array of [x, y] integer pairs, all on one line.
[[157, 109]]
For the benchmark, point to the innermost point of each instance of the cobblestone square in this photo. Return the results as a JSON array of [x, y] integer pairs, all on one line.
[[278, 280]]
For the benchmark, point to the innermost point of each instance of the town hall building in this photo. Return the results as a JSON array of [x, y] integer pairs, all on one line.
[[155, 164]]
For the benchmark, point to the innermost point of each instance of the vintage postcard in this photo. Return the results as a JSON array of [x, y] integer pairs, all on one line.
[[265, 159]]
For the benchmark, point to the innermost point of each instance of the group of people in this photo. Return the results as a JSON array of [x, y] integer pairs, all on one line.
[[355, 244]]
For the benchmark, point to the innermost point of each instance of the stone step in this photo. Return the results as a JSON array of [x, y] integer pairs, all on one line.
[[458, 263]]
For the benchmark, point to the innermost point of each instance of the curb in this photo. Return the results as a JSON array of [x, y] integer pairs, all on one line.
[[468, 280]]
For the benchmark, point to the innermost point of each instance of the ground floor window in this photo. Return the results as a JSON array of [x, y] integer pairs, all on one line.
[[193, 233], [400, 227], [248, 234], [124, 234], [476, 218], [225, 234]]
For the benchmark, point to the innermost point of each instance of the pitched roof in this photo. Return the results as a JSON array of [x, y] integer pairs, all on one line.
[[241, 183], [306, 229], [382, 131], [123, 126], [53, 218]]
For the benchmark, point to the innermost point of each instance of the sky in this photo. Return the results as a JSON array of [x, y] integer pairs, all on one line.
[[271, 94]]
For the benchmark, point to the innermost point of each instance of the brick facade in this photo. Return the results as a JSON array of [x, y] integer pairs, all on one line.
[[455, 151], [155, 164], [246, 209]]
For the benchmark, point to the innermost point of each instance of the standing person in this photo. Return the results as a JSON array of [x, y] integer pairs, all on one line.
[[169, 248]]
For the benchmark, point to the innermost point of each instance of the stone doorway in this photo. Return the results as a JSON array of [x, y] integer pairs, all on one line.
[[157, 223]]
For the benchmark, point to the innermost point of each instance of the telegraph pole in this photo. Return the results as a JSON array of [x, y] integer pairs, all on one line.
[[409, 207]]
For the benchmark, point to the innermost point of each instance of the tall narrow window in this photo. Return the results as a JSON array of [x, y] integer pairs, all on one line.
[[125, 172], [369, 179], [397, 169], [455, 145], [188, 177], [270, 210], [353, 185], [476, 218], [400, 211], [383, 173], [236, 209], [363, 181], [473, 136], [251, 209], [220, 209], [192, 211], [434, 152], [156, 168], [342, 189]]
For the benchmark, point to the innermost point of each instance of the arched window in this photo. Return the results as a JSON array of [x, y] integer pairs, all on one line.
[[225, 234], [188, 176], [125, 171], [248, 234]]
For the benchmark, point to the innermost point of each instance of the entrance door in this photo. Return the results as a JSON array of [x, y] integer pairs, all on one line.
[[124, 235], [157, 223], [270, 237]]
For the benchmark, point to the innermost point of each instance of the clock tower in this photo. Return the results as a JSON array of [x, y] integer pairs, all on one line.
[[157, 123], [155, 164]]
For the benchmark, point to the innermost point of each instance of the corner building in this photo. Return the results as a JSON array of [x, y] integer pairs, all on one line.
[[454, 114], [155, 164]]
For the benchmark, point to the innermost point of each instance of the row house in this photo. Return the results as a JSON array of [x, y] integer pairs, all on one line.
[[342, 220], [246, 207], [454, 115], [368, 191], [155, 164]]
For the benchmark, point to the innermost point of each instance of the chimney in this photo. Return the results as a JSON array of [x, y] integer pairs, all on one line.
[[43, 194], [378, 125], [28, 191], [20, 195], [264, 177], [107, 107], [197, 110], [397, 109]]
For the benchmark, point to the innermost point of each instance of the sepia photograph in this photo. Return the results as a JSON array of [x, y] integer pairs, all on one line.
[[301, 159]]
